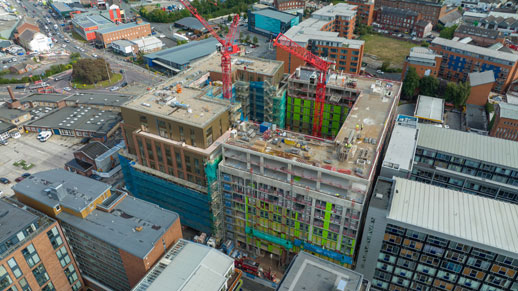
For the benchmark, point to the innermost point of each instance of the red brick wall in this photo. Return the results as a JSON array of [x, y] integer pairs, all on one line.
[[136, 268], [434, 71], [478, 94], [49, 259], [504, 128], [129, 34]]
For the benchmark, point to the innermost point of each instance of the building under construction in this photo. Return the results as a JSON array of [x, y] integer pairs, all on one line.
[[341, 92], [284, 191]]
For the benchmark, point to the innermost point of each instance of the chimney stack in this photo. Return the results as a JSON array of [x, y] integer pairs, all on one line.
[[11, 93]]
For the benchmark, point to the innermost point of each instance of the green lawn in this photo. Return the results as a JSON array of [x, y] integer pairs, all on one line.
[[114, 79], [387, 49]]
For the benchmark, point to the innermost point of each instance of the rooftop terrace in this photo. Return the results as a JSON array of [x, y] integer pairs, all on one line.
[[357, 145]]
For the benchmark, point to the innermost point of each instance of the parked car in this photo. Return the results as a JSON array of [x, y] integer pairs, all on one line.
[[380, 72], [4, 181], [26, 175], [95, 56], [67, 89], [124, 84], [19, 87], [19, 179], [115, 88], [3, 142]]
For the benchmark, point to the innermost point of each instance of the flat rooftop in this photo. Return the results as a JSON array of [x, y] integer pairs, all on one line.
[[272, 13], [309, 29], [117, 27], [74, 191], [184, 107], [430, 108], [119, 226], [341, 9], [76, 118], [371, 110], [6, 126], [262, 66], [186, 53], [13, 220], [308, 272], [11, 114], [497, 151], [401, 148], [188, 266], [37, 97], [485, 223]]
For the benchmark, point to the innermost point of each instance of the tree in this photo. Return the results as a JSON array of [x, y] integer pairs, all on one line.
[[385, 66], [90, 71], [247, 39], [457, 93], [448, 32], [229, 18], [428, 86], [410, 83], [424, 43], [75, 56], [255, 40], [240, 36]]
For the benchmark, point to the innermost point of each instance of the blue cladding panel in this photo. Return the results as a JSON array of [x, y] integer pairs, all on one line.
[[192, 206], [268, 24]]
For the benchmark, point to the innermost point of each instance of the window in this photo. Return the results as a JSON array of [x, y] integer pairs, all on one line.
[[40, 274], [24, 284], [63, 257], [5, 279], [71, 274], [14, 268], [54, 237], [31, 256], [49, 287]]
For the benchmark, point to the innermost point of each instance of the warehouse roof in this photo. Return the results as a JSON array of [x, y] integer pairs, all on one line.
[[508, 111], [61, 7], [191, 23], [93, 149], [37, 97], [308, 272], [480, 78], [477, 50], [272, 13], [106, 99], [85, 119], [450, 17], [10, 114], [483, 148], [430, 108], [6, 126], [456, 215], [186, 53], [188, 266]]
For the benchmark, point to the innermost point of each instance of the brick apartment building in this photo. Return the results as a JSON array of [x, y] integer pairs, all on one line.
[[429, 10], [459, 59], [287, 5], [365, 14], [422, 28], [33, 252], [397, 20], [505, 124], [424, 61], [341, 18], [320, 37], [115, 238], [128, 31], [480, 36]]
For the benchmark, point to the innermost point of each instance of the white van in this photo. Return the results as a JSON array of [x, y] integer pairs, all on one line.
[[44, 135]]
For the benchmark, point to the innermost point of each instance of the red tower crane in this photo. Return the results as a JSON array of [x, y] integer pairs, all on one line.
[[323, 66], [226, 49]]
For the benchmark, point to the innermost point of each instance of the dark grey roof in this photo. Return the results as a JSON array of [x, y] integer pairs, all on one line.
[[77, 191], [76, 118], [11, 114], [5, 43], [476, 117], [37, 97], [79, 165], [398, 12], [6, 126], [479, 78], [186, 53], [99, 99], [450, 17], [275, 14], [478, 31], [118, 227], [191, 23], [93, 149], [422, 23], [308, 272], [27, 35], [13, 220]]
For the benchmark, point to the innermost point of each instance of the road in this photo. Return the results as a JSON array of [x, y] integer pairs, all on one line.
[[133, 74]]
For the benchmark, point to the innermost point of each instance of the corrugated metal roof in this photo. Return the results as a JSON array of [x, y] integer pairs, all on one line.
[[185, 53], [478, 147], [483, 221], [191, 23], [431, 108], [508, 111]]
